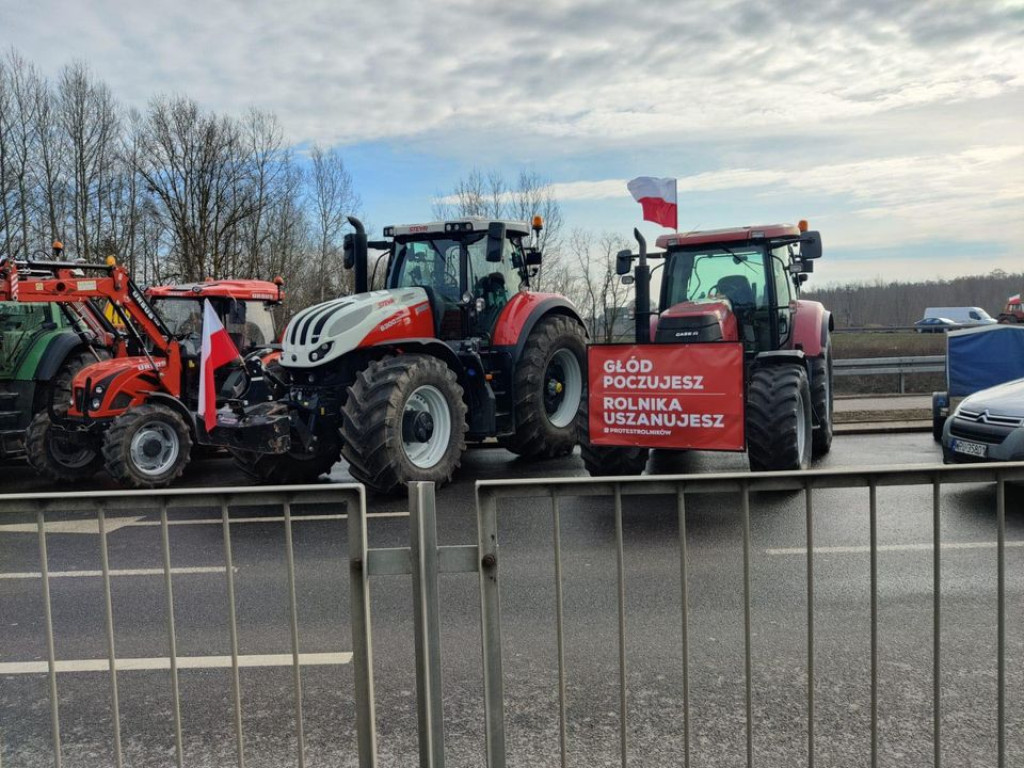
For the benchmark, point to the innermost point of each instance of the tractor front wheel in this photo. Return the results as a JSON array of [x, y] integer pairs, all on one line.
[[404, 420], [549, 390], [147, 447], [58, 454], [297, 467], [779, 419], [609, 460]]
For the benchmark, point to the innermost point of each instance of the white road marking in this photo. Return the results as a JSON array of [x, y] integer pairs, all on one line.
[[92, 526], [893, 548], [116, 523], [184, 662], [122, 572]]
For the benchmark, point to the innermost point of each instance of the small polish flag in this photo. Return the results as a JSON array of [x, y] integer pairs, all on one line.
[[658, 198], [218, 350]]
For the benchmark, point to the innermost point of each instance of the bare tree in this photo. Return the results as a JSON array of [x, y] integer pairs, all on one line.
[[332, 197], [91, 126], [194, 165]]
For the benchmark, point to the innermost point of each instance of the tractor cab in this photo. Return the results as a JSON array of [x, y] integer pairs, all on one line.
[[732, 285], [245, 307], [469, 269]]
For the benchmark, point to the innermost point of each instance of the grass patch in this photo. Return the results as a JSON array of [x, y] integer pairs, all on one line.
[[906, 344]]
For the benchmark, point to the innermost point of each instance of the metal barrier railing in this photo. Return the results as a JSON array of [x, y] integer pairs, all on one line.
[[169, 507], [489, 494]]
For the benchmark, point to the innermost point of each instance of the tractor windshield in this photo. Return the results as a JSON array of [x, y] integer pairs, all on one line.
[[433, 263], [250, 324], [715, 272]]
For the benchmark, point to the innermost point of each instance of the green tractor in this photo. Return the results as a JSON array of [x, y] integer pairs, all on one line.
[[41, 349]]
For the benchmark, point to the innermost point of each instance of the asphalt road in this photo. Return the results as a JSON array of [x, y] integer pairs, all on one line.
[[654, 661]]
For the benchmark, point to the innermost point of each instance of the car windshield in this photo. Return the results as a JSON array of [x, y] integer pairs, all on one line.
[[716, 272]]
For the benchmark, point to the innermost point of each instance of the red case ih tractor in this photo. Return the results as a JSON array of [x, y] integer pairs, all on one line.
[[135, 413], [735, 360], [455, 350]]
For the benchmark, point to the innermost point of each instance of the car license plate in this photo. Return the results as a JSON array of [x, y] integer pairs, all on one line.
[[970, 449]]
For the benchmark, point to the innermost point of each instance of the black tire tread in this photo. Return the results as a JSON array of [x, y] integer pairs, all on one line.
[[534, 437], [609, 460], [39, 458], [115, 448], [772, 430], [821, 402], [371, 422]]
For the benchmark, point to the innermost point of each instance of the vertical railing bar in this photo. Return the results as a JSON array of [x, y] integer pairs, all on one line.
[[1001, 623], [362, 640], [172, 641], [108, 608], [51, 653], [937, 623], [685, 604], [236, 682], [559, 630], [747, 651], [873, 525], [426, 618], [490, 629], [620, 563], [300, 734], [809, 499]]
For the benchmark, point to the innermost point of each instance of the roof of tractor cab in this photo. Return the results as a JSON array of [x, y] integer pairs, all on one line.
[[468, 224], [732, 235], [243, 290]]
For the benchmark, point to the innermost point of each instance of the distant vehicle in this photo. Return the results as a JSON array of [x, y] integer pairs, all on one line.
[[987, 426], [935, 325], [965, 316], [1013, 312]]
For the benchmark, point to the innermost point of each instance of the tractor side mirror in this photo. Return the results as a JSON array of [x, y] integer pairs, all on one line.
[[495, 241], [810, 245], [628, 279], [803, 278], [623, 262], [799, 266], [534, 257], [379, 245], [349, 251]]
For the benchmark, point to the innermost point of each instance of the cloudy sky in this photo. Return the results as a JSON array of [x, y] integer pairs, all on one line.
[[895, 126]]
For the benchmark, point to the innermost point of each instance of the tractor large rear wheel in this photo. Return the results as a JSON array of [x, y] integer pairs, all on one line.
[[147, 447], [609, 460], [779, 419], [549, 390], [296, 467], [404, 420], [822, 402], [60, 455]]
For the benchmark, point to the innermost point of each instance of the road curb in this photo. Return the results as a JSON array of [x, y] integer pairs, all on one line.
[[882, 427]]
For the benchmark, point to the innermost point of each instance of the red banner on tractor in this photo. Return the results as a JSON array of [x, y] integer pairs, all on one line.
[[667, 396]]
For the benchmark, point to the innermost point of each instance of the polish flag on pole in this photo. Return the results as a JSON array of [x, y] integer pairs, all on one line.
[[658, 198], [218, 350]]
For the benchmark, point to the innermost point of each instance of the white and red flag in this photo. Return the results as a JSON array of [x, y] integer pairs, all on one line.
[[658, 198], [218, 350]]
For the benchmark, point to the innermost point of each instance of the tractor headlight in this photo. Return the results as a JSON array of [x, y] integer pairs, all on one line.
[[99, 389], [95, 404], [481, 305]]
